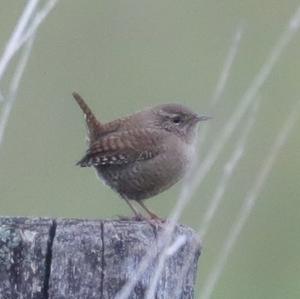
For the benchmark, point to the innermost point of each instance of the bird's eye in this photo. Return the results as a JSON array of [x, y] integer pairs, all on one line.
[[177, 120]]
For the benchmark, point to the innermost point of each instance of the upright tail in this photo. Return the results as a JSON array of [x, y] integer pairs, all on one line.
[[93, 125]]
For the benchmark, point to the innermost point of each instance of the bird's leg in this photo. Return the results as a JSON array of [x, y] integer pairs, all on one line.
[[137, 215], [152, 215]]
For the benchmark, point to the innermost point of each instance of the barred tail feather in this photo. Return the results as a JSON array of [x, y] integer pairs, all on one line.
[[93, 124]]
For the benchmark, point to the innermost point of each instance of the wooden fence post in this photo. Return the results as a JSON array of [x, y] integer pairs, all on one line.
[[44, 258]]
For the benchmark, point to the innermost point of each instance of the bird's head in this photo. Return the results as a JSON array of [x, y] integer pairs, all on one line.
[[178, 119]]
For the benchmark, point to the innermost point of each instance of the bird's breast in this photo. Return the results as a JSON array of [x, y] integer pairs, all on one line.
[[142, 179]]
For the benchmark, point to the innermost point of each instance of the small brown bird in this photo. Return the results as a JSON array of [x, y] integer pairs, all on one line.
[[143, 154]]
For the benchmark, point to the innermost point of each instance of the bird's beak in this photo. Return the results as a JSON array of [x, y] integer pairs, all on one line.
[[202, 117]]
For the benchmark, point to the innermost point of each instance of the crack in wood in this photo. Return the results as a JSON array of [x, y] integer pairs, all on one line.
[[102, 260], [48, 258]]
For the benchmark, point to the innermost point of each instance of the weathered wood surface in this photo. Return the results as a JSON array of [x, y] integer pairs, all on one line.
[[23, 256], [71, 258]]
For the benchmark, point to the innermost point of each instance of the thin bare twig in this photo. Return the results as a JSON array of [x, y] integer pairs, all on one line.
[[23, 35], [222, 81], [14, 86], [191, 184], [38, 19], [226, 70], [249, 201], [12, 45], [228, 171]]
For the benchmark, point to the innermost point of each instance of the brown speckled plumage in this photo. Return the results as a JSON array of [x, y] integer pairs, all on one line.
[[143, 154]]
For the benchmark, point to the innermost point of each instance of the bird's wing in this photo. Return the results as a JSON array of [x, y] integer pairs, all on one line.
[[123, 147]]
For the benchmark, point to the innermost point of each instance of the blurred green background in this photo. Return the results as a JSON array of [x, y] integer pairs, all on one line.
[[125, 55]]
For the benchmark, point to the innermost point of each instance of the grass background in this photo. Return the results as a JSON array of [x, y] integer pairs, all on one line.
[[125, 55]]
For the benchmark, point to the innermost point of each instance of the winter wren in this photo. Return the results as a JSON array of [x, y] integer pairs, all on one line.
[[143, 154]]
